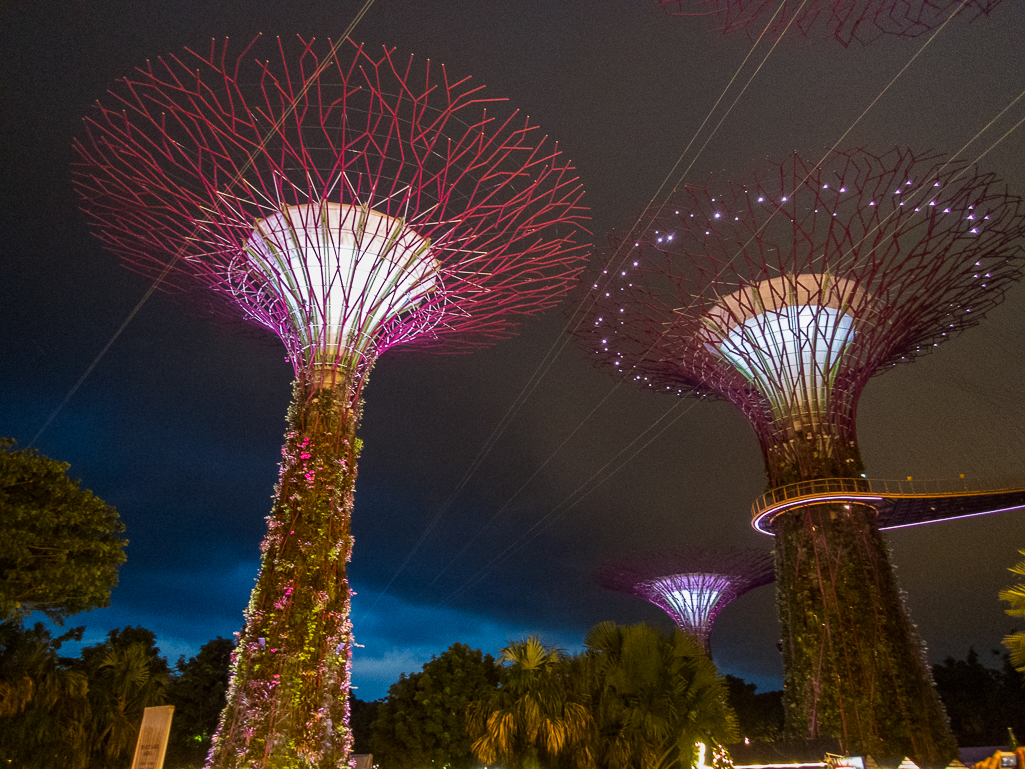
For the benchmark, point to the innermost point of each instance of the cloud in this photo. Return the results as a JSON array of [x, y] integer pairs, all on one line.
[[397, 637]]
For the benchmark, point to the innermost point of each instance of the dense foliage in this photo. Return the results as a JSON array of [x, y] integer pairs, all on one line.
[[636, 696], [655, 696], [1015, 595], [538, 714], [60, 546], [423, 720], [43, 702], [362, 715], [197, 691], [77, 714], [759, 714], [126, 675], [982, 702], [85, 712]]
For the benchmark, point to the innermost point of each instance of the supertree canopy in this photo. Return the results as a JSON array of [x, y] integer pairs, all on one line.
[[843, 20], [350, 202], [690, 584], [785, 294]]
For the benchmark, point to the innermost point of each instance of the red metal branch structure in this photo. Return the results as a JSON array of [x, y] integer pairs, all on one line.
[[845, 21], [784, 294], [350, 202], [690, 584]]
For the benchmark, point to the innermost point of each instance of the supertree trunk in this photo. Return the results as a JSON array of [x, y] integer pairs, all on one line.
[[288, 703], [855, 667]]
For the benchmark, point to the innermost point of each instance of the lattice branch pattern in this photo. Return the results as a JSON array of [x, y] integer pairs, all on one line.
[[391, 206], [845, 21], [692, 585], [786, 293]]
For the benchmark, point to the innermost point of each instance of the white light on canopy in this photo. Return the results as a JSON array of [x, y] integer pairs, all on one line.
[[791, 354], [342, 271], [691, 597], [786, 336]]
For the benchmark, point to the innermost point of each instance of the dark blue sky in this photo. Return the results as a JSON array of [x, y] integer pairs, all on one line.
[[180, 424]]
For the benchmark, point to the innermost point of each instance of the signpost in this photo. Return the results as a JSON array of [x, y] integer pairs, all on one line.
[[156, 726]]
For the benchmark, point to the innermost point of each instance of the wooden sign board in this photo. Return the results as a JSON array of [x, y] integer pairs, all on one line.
[[152, 743]]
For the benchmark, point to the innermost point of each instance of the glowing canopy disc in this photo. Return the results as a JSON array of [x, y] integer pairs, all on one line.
[[342, 272], [791, 354], [787, 336], [691, 599]]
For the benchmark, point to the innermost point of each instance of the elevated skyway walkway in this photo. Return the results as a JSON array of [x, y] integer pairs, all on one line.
[[897, 503]]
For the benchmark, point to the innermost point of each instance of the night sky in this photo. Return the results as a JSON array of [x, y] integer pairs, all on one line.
[[180, 425]]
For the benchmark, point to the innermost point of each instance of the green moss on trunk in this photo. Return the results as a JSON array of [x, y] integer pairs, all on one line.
[[855, 668], [288, 699], [809, 450]]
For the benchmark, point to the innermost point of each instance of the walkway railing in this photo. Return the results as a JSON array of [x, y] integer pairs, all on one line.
[[863, 487]]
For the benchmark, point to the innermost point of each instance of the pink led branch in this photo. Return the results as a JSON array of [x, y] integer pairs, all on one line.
[[192, 152]]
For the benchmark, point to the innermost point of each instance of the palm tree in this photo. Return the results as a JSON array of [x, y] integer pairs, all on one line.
[[536, 716], [1015, 595], [126, 675], [43, 704], [655, 696], [123, 688]]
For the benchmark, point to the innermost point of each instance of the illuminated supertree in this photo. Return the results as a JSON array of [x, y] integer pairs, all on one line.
[[843, 20], [350, 203], [690, 584], [784, 294]]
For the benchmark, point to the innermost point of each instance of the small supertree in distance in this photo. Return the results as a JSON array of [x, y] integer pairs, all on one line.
[[690, 584], [845, 21], [784, 294], [350, 202]]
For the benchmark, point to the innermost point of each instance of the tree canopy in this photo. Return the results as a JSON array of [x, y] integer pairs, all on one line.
[[759, 714], [637, 697], [43, 702], [80, 713], [60, 546], [197, 691], [657, 694], [423, 719], [126, 675], [982, 702], [538, 716]]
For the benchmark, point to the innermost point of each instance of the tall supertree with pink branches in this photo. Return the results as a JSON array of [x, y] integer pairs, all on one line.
[[690, 584], [784, 293], [845, 21], [350, 202]]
